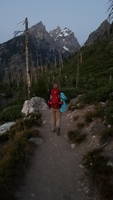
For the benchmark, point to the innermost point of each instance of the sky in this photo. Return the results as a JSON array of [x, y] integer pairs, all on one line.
[[81, 16]]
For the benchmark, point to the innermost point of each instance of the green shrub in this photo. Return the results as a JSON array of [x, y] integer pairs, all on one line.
[[76, 137], [101, 93], [15, 154], [70, 92], [76, 117], [80, 125], [100, 173], [99, 111], [33, 120], [26, 124], [11, 113], [106, 135], [31, 133], [4, 138], [89, 97], [89, 116], [40, 88], [14, 159], [109, 113]]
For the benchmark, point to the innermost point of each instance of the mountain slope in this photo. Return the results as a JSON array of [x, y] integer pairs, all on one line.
[[44, 52], [101, 33], [94, 76]]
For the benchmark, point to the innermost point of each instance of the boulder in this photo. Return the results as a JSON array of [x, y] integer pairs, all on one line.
[[36, 141], [6, 127], [74, 102], [96, 127], [34, 105]]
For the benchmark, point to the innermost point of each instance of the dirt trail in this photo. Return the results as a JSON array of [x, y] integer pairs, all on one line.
[[55, 172]]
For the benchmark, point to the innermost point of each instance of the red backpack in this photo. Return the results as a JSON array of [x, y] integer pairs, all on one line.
[[54, 101]]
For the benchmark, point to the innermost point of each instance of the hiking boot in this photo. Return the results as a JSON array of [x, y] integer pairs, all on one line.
[[58, 131]]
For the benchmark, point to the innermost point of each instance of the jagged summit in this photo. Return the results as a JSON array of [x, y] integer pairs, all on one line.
[[39, 26], [62, 39], [65, 39], [58, 32], [39, 31], [45, 49]]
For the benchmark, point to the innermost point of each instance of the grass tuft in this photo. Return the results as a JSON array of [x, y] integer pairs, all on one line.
[[106, 135], [76, 137], [80, 125]]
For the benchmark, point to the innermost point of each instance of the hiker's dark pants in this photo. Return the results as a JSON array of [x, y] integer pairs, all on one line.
[[55, 118]]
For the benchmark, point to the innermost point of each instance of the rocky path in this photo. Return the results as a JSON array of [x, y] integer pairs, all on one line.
[[56, 172]]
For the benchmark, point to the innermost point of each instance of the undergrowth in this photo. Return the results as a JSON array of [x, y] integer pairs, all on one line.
[[100, 172], [76, 136], [15, 154]]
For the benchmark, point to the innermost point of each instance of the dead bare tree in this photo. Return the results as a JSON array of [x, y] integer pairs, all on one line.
[[110, 9], [28, 78], [27, 58]]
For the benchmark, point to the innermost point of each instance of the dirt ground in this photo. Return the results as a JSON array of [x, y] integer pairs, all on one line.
[[56, 172]]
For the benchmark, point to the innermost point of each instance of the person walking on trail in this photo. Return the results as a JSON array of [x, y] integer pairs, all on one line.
[[55, 104]]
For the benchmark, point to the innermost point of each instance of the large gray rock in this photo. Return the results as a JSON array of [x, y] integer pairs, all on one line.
[[34, 105], [74, 102], [96, 127], [6, 127]]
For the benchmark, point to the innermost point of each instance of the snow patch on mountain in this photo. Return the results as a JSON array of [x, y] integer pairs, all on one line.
[[65, 40], [64, 33], [65, 48]]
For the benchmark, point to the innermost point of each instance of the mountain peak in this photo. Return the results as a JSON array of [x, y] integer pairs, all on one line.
[[65, 39], [105, 22], [60, 32], [100, 33], [39, 31], [39, 26]]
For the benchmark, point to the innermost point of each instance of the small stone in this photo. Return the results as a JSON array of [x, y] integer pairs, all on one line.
[[73, 146], [109, 125], [81, 166], [33, 195], [87, 191], [44, 122], [37, 141], [110, 164]]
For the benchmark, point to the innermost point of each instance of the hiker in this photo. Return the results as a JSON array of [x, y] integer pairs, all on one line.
[[55, 104]]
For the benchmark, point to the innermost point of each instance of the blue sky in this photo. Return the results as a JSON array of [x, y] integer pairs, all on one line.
[[81, 16]]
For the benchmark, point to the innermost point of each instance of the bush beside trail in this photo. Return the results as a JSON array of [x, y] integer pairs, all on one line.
[[15, 155]]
